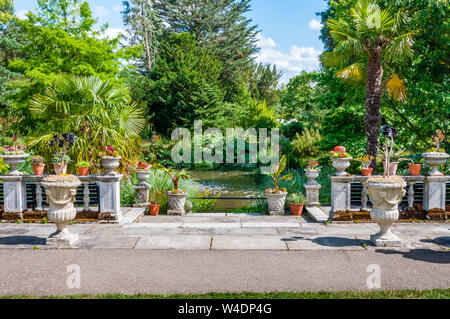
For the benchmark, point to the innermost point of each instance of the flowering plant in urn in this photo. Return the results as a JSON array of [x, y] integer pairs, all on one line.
[[341, 160], [62, 142], [61, 190], [110, 159], [385, 193], [13, 156], [437, 156]]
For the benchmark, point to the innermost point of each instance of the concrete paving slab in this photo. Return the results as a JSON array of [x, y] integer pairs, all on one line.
[[154, 225], [256, 242], [230, 231], [317, 215], [326, 243], [96, 242], [184, 242], [212, 225], [152, 231], [296, 231], [270, 225]]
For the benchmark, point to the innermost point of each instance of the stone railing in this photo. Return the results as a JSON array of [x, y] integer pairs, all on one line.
[[15, 195], [434, 192]]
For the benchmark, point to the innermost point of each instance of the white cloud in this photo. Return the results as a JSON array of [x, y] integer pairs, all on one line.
[[22, 14], [315, 24], [117, 8], [264, 42], [112, 33], [101, 12], [298, 59]]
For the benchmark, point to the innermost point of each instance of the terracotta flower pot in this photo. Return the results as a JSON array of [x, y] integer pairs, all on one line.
[[296, 209], [60, 169], [419, 207], [153, 209], [83, 171], [414, 169], [366, 171], [38, 169]]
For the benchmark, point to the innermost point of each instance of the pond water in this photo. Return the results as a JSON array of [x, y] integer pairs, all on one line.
[[229, 184]]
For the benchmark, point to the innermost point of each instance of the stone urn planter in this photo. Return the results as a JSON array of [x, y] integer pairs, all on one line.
[[175, 202], [385, 193], [61, 191], [435, 160], [142, 175], [110, 163], [341, 164], [276, 203], [311, 175], [13, 161]]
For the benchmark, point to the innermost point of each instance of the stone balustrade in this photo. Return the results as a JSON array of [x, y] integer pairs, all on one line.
[[15, 195], [434, 192]]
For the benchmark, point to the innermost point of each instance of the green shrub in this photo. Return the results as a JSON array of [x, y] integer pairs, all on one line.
[[305, 145]]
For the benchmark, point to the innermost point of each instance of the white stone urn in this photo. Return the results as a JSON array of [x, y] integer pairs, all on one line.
[[13, 161], [142, 176], [341, 164], [385, 193], [276, 203], [311, 175], [435, 160], [61, 191], [176, 203], [110, 163]]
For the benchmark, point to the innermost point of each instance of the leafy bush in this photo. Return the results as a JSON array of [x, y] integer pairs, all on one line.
[[305, 145]]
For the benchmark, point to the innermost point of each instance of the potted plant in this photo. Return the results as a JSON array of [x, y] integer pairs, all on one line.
[[83, 168], [153, 206], [60, 163], [341, 160], [62, 142], [415, 165], [312, 170], [37, 162], [14, 156], [436, 156], [61, 190], [142, 171], [176, 197], [296, 203], [365, 161], [385, 193], [276, 196], [110, 159]]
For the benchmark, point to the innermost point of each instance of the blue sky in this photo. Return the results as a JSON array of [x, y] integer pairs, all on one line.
[[289, 29]]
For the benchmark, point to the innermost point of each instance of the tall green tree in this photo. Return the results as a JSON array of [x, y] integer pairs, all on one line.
[[184, 85], [264, 83], [73, 16], [144, 27], [6, 10], [368, 43], [220, 26]]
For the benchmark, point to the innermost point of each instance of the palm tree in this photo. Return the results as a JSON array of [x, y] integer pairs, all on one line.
[[98, 112], [367, 44]]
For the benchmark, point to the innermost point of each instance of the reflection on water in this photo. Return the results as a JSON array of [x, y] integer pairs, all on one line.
[[229, 184]]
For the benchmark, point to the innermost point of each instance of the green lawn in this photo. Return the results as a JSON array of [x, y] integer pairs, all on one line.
[[378, 294]]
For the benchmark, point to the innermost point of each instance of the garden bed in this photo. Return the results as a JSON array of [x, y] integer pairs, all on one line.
[[409, 215]]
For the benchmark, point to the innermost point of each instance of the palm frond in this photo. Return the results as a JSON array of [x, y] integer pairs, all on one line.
[[396, 88], [355, 73]]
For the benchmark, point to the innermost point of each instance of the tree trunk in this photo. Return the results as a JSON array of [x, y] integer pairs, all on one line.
[[374, 87]]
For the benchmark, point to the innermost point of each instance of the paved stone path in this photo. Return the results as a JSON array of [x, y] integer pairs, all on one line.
[[221, 253], [227, 233]]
